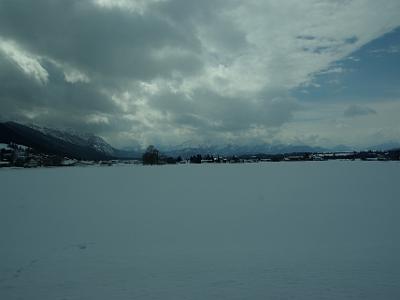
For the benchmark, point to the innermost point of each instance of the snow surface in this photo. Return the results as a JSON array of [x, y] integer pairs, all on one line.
[[307, 230]]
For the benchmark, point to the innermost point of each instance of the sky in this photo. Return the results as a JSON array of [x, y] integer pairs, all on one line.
[[173, 72]]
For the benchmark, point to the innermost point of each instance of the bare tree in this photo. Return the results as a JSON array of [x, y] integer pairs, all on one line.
[[151, 156]]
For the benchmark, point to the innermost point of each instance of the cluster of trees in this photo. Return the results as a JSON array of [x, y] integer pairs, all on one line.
[[196, 159], [153, 157]]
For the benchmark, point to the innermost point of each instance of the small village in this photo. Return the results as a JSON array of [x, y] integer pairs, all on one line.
[[19, 156]]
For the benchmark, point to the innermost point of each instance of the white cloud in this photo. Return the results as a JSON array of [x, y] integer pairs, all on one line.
[[214, 69], [280, 45], [389, 50], [71, 74], [28, 63], [97, 119], [74, 76], [137, 6], [284, 43]]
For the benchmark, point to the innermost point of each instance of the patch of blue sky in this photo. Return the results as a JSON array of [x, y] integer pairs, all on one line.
[[370, 74]]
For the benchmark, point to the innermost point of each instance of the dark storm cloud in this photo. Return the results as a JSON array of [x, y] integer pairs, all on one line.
[[112, 47], [103, 42], [358, 110], [168, 70], [56, 102], [17, 90]]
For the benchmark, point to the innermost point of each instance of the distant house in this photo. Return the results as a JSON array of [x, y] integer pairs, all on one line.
[[4, 164], [207, 161], [294, 158], [32, 163]]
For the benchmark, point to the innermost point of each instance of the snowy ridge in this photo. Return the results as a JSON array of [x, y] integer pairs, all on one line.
[[76, 138], [231, 149], [62, 142]]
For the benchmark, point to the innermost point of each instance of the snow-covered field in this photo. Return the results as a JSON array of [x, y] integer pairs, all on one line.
[[322, 230]]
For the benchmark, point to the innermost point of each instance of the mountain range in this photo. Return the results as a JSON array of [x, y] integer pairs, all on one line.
[[62, 142], [74, 144]]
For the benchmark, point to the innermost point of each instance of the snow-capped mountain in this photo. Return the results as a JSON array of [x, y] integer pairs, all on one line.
[[82, 139], [62, 142], [231, 149], [74, 144]]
